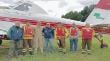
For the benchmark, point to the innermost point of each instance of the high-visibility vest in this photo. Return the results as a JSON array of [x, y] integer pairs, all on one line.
[[87, 33], [73, 32], [60, 32], [28, 31]]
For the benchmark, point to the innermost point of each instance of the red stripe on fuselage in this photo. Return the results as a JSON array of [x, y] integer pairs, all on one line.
[[103, 4]]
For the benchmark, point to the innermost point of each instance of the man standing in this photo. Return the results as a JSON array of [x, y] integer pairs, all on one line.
[[48, 36], [60, 35], [87, 35], [38, 38], [0, 41], [73, 33], [15, 33], [28, 37]]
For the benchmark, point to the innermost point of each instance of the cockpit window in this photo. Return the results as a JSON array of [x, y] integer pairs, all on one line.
[[23, 7]]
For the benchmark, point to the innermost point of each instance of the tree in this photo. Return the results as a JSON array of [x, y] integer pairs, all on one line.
[[86, 12], [79, 16], [73, 15]]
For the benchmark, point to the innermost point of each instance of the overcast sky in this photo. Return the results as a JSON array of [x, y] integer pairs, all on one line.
[[57, 7]]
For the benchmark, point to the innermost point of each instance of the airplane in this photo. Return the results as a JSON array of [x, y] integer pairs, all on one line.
[[24, 11], [100, 17]]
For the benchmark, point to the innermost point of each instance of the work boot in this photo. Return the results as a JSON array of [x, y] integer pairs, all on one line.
[[89, 52], [83, 51], [24, 52], [30, 51], [64, 51]]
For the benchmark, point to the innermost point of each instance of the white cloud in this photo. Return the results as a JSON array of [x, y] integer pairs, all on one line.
[[51, 7], [63, 4], [60, 7], [88, 2], [8, 1], [3, 4]]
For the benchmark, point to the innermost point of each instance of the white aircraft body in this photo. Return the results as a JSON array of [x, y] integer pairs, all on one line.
[[28, 11]]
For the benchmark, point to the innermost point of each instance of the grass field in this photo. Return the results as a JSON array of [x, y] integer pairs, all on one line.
[[98, 54]]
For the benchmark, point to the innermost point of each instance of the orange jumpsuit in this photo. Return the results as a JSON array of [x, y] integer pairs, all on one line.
[[28, 37]]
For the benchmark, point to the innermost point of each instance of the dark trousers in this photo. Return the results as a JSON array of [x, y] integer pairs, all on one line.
[[27, 44], [61, 43], [0, 42], [86, 42]]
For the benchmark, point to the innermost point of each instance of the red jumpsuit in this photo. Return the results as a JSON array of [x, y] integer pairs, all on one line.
[[60, 34], [87, 34]]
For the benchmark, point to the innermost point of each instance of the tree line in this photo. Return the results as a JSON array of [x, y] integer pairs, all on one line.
[[79, 16]]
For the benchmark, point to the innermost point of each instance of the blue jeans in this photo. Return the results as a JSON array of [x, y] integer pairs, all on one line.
[[14, 48], [48, 45], [73, 44]]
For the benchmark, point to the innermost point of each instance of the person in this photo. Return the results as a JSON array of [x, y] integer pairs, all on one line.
[[38, 38], [27, 38], [15, 34], [87, 35], [1, 41], [48, 36], [73, 34], [60, 36], [99, 37]]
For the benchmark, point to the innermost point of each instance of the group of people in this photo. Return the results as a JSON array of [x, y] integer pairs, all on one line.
[[40, 38]]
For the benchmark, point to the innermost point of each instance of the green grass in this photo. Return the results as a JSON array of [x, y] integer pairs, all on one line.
[[98, 54]]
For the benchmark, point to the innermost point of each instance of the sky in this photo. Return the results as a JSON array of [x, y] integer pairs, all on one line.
[[57, 7]]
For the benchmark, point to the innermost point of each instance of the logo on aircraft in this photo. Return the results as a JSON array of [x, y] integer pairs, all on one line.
[[98, 16]]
